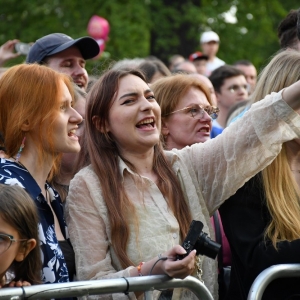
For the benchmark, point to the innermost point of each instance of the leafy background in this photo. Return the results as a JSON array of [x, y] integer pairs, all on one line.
[[139, 28]]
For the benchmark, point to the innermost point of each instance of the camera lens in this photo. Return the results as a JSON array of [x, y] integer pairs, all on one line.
[[205, 246]]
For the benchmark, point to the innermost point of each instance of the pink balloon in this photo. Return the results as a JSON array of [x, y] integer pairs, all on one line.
[[98, 28]]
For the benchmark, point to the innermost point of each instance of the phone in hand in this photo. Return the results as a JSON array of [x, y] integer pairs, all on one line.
[[22, 48]]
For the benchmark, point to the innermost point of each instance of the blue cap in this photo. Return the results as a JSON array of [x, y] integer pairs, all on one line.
[[57, 42]]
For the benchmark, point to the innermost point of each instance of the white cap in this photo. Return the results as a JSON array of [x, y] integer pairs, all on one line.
[[209, 36]]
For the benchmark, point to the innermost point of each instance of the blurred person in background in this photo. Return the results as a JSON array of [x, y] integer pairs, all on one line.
[[230, 87], [154, 69], [174, 60], [200, 61], [287, 31], [210, 42], [250, 73], [185, 67], [7, 51]]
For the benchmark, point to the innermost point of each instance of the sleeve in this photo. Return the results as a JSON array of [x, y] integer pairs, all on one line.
[[223, 164], [88, 234]]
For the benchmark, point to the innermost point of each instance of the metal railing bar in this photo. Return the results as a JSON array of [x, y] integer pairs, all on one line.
[[265, 277], [105, 286]]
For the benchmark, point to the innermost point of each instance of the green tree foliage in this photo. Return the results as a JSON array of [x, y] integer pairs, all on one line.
[[152, 27]]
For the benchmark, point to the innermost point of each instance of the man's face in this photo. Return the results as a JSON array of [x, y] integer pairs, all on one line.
[[233, 90], [250, 74], [70, 62], [210, 49]]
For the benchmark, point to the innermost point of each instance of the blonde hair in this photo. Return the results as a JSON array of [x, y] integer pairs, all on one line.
[[280, 188]]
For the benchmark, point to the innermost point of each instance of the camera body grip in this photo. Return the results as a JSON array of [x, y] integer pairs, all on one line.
[[196, 239]]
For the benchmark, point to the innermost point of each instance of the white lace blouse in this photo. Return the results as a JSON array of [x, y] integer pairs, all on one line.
[[209, 173]]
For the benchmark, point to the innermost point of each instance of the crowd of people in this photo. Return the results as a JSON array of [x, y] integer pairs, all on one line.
[[101, 177]]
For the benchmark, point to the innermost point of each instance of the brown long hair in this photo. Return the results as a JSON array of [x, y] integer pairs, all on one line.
[[19, 210], [30, 93], [104, 156]]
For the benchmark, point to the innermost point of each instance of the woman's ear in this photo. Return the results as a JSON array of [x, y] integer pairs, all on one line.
[[96, 122], [25, 126], [164, 128], [24, 249]]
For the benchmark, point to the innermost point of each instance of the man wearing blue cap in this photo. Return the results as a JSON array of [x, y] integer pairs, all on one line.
[[64, 54]]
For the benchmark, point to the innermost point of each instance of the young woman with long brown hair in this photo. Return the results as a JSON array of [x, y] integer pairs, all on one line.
[[38, 123], [136, 201]]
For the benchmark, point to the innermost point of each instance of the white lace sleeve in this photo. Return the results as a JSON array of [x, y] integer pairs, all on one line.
[[225, 163]]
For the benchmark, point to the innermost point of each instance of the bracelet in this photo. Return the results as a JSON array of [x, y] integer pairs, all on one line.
[[139, 268]]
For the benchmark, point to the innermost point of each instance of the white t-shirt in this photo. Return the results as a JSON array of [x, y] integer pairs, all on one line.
[[212, 65]]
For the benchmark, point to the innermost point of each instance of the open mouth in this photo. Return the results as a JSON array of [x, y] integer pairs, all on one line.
[[80, 84], [204, 130], [146, 123], [72, 132]]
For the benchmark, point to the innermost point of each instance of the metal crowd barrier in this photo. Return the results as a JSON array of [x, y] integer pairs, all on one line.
[[265, 277], [106, 286]]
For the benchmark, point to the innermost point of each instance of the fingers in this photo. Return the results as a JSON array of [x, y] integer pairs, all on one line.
[[180, 268], [18, 283], [176, 250]]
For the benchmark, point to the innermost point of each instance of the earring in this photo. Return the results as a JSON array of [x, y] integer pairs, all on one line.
[[21, 149]]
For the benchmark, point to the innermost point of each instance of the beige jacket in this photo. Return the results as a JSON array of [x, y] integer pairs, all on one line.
[[209, 174]]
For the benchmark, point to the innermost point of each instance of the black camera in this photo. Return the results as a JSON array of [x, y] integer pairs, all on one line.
[[196, 239]]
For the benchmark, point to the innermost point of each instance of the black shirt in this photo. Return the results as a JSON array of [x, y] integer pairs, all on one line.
[[245, 218]]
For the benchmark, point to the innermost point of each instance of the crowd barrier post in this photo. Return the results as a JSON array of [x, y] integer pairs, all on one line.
[[265, 277]]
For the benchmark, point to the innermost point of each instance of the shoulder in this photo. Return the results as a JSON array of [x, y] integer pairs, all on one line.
[[219, 61], [86, 172], [11, 173], [86, 178]]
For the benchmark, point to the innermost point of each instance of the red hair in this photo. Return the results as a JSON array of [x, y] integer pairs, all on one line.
[[30, 94]]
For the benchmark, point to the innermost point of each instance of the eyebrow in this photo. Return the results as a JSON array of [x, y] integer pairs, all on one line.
[[135, 94], [70, 59]]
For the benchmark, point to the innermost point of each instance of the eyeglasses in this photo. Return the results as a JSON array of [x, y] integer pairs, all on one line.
[[197, 111], [6, 240], [235, 88]]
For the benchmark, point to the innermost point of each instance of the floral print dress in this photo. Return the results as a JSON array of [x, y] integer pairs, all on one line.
[[54, 265]]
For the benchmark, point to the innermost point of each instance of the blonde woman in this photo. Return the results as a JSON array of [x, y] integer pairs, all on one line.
[[262, 220]]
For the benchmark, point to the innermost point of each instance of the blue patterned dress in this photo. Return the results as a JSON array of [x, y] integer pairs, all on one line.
[[54, 265]]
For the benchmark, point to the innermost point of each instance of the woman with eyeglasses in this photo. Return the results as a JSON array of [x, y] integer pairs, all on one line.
[[130, 209], [187, 115], [20, 259], [186, 110]]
